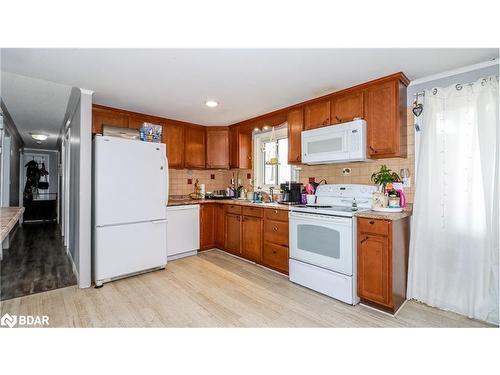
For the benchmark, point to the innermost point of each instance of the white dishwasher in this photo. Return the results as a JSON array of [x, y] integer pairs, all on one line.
[[183, 231]]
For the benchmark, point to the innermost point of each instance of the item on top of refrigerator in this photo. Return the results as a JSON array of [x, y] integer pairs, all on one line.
[[150, 133]]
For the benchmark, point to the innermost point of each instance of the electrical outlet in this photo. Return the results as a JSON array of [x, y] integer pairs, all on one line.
[[346, 171], [190, 181], [212, 177]]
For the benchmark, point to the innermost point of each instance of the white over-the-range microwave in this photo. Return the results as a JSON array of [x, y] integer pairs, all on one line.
[[335, 143]]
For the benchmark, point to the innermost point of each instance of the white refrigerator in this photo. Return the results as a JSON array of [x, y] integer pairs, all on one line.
[[130, 196]]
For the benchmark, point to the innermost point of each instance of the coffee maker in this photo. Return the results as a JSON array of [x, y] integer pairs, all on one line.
[[292, 192]]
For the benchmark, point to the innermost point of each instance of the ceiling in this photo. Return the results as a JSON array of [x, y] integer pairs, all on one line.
[[175, 83], [36, 106]]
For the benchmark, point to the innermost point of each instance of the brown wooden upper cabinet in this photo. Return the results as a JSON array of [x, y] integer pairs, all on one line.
[[194, 143], [346, 107], [240, 148], [317, 114], [173, 137], [385, 114], [101, 117], [295, 121], [217, 148]]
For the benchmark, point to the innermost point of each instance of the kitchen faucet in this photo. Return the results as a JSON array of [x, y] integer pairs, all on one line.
[[271, 189]]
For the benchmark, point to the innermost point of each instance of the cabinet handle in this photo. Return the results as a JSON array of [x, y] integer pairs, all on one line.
[[275, 229], [372, 222], [371, 148], [364, 239], [298, 158], [338, 118], [274, 251], [275, 211]]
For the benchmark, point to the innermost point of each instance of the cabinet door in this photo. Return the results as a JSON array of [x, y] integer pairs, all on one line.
[[295, 126], [382, 120], [207, 233], [173, 137], [233, 147], [374, 269], [233, 234], [136, 122], [251, 238], [103, 117], [219, 226], [217, 148], [245, 150], [317, 114], [346, 107], [194, 140]]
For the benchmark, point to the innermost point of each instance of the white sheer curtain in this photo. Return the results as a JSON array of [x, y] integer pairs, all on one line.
[[454, 247]]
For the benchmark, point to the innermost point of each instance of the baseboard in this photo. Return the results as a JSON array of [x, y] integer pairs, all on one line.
[[182, 255]]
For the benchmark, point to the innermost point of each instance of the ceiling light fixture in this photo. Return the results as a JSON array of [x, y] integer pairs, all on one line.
[[211, 103], [256, 130], [39, 137]]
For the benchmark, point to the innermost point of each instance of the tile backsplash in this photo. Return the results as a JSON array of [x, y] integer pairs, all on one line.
[[362, 171], [221, 178]]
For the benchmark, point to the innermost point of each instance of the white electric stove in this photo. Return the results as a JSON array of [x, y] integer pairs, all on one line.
[[323, 240]]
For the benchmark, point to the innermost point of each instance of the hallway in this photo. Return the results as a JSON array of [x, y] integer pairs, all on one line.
[[35, 262]]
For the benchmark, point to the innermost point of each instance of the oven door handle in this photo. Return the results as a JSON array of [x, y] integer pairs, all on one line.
[[320, 218]]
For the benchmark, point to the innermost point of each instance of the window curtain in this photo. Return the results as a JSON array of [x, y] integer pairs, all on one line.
[[454, 246]]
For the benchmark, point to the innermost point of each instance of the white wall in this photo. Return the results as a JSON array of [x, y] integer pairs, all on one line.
[[80, 201]]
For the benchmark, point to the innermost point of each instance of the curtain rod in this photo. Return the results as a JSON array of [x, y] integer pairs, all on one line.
[[458, 86]]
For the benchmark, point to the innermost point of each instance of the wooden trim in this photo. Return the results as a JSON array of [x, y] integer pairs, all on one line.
[[165, 120], [400, 75]]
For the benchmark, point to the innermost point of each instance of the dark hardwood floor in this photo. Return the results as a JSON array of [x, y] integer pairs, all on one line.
[[35, 262]]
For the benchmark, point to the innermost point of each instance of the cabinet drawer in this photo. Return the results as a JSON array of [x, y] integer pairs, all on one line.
[[276, 232], [253, 211], [276, 257], [375, 226], [233, 209], [276, 214]]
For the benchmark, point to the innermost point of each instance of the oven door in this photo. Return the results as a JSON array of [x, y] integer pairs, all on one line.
[[323, 241]]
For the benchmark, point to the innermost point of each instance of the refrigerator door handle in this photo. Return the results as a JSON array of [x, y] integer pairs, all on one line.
[[159, 221]]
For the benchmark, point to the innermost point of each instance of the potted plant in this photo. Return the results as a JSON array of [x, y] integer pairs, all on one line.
[[384, 176]]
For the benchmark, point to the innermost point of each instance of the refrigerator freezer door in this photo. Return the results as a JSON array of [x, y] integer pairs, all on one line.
[[130, 248], [130, 181]]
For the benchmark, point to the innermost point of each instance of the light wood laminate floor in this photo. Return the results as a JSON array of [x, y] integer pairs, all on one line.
[[215, 289]]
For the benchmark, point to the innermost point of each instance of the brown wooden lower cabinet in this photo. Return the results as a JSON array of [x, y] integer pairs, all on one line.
[[383, 262], [254, 233], [219, 223], [233, 233], [207, 227], [251, 238]]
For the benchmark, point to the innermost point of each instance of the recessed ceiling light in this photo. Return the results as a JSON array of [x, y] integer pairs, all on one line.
[[211, 103], [265, 127], [256, 129], [39, 137], [38, 142]]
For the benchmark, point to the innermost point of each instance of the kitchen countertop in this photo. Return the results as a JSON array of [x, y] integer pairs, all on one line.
[[237, 202], [9, 216], [385, 215]]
